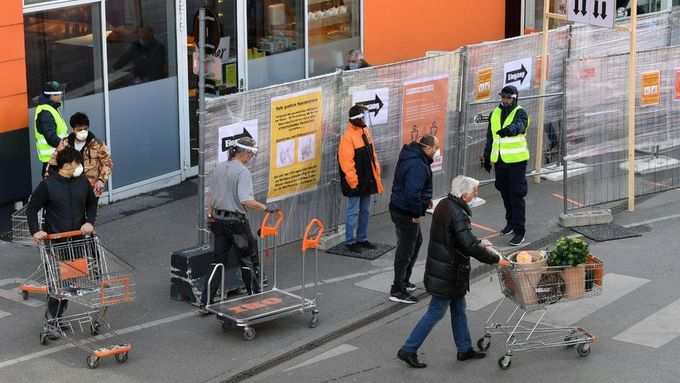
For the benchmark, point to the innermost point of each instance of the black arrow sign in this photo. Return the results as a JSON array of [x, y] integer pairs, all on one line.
[[584, 4], [596, 11], [376, 101], [228, 141], [516, 75], [603, 14], [576, 7]]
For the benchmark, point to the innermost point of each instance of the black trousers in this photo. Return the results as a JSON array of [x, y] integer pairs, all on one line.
[[511, 182], [409, 240], [235, 246]]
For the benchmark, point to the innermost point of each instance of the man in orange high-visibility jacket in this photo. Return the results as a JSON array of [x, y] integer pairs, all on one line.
[[360, 178]]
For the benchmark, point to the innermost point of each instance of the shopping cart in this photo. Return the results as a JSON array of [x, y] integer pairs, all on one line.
[[529, 291], [80, 270], [274, 303]]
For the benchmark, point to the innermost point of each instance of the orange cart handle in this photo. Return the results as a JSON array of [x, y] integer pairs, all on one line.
[[66, 234], [267, 230], [312, 243]]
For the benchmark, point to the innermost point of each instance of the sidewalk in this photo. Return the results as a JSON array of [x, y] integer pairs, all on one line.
[[172, 342]]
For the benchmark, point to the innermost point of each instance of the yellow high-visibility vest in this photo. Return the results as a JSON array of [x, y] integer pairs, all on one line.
[[44, 149], [511, 149]]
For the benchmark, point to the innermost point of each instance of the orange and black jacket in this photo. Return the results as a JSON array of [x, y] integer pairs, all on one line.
[[359, 166]]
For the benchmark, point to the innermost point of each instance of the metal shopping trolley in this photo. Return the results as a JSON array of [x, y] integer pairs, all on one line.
[[274, 303], [80, 270], [529, 290]]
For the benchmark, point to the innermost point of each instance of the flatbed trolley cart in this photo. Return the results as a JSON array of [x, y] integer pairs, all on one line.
[[274, 303], [79, 269], [528, 291]]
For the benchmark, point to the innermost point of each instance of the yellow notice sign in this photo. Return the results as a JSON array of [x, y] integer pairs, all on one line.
[[295, 150], [650, 92], [484, 77]]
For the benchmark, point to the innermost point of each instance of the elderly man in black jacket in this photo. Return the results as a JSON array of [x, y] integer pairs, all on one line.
[[447, 271], [69, 203]]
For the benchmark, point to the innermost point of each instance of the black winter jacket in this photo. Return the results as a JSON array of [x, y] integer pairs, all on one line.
[[68, 202], [412, 186], [447, 270]]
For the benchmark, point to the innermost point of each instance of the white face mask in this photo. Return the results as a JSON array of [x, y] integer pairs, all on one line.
[[78, 171], [82, 135]]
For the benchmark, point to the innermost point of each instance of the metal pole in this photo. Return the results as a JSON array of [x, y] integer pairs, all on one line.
[[563, 129], [632, 69], [538, 161], [202, 240]]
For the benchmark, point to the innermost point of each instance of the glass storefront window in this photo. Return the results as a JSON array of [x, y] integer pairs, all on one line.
[[334, 30], [64, 45], [276, 42], [142, 69]]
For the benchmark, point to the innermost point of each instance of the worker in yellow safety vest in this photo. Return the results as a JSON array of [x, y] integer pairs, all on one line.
[[50, 127], [507, 150]]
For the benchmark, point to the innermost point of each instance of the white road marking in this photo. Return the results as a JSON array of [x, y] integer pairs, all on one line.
[[656, 330], [332, 353], [383, 281], [4, 314], [654, 220]]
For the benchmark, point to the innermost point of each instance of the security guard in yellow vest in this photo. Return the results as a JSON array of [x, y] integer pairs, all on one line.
[[507, 149], [50, 127]]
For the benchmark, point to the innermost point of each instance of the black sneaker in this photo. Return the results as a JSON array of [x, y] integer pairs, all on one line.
[[507, 230], [403, 297], [410, 287], [367, 245], [410, 358], [472, 354], [517, 240]]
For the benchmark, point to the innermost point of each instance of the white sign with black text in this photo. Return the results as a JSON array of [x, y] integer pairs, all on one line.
[[518, 73], [376, 100], [231, 133]]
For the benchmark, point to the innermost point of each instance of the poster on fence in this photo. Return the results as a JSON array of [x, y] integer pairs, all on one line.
[[295, 150], [484, 77], [423, 112], [676, 94], [650, 93], [227, 135]]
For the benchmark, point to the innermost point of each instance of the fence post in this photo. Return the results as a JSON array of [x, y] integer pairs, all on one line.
[[462, 113], [632, 71], [202, 240], [538, 161]]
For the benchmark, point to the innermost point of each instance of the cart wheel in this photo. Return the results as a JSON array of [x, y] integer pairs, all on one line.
[[92, 361], [94, 329], [314, 322], [484, 343], [504, 362], [249, 333], [24, 295], [122, 357], [583, 349], [227, 326], [43, 339]]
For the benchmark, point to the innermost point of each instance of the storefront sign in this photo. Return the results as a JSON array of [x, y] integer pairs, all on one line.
[[484, 78], [230, 133], [518, 73], [296, 136], [424, 112], [377, 101], [650, 93]]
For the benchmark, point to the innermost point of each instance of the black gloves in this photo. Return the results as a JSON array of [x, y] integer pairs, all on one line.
[[505, 132], [272, 208]]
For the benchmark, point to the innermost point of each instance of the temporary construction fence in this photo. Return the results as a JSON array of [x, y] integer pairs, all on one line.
[[450, 95]]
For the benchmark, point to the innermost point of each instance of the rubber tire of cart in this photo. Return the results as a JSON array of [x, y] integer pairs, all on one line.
[[484, 343], [122, 357], [92, 361], [583, 349], [314, 322], [249, 333], [43, 339], [94, 328], [504, 362], [24, 295]]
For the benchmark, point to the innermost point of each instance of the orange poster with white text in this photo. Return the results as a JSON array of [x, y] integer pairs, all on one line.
[[424, 112]]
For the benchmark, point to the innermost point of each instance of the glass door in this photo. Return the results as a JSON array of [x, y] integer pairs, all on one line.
[[65, 45], [223, 70]]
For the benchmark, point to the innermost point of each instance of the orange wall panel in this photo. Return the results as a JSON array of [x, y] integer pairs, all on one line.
[[396, 30], [12, 78], [13, 113], [12, 42], [11, 12]]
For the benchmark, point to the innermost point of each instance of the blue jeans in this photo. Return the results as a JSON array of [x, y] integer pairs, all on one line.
[[434, 313], [357, 213]]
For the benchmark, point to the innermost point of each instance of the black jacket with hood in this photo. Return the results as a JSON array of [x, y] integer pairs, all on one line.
[[412, 186]]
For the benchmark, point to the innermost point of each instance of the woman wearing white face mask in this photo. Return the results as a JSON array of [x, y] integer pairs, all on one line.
[[97, 163]]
